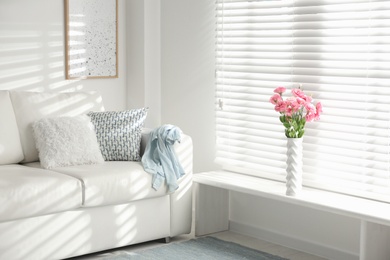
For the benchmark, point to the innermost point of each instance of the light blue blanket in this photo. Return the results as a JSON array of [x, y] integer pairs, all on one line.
[[160, 159]]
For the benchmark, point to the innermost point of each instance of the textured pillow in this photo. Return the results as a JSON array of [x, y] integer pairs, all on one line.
[[65, 141], [119, 133]]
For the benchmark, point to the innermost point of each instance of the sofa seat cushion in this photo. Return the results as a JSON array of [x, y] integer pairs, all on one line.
[[27, 192], [112, 182]]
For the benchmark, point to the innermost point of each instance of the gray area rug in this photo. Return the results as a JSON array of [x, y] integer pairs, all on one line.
[[201, 248]]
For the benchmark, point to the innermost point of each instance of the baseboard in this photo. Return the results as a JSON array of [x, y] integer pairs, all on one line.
[[310, 247]]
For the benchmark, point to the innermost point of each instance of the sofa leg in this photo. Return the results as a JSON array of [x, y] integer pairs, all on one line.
[[167, 240]]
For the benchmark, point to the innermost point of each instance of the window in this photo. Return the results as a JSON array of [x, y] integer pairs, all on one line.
[[339, 50]]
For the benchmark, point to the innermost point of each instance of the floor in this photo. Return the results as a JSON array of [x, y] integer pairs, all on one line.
[[228, 236]]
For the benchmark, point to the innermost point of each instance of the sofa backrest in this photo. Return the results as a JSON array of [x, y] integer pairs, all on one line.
[[32, 106], [10, 146]]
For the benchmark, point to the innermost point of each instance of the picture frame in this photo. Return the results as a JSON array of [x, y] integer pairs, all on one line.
[[91, 39]]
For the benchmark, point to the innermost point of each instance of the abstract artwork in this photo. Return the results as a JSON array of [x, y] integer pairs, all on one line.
[[91, 37]]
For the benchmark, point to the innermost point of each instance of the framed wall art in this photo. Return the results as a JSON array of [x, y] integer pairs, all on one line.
[[91, 36]]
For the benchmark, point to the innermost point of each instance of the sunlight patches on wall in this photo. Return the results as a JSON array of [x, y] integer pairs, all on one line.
[[55, 44], [56, 54], [23, 83], [5, 34], [58, 64], [32, 41], [20, 59], [56, 75], [20, 71], [20, 46]]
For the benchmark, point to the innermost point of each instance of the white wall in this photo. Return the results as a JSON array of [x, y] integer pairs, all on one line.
[[32, 51], [170, 68], [320, 233], [144, 58], [135, 69], [187, 73]]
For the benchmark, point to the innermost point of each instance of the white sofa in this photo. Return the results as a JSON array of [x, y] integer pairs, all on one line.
[[75, 210]]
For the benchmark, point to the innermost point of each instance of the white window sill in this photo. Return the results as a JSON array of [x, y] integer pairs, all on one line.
[[363, 209], [212, 207]]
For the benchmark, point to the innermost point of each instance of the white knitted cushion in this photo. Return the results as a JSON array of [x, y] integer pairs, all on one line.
[[119, 133], [65, 141]]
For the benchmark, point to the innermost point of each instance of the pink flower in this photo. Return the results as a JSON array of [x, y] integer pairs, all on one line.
[[300, 94], [280, 107], [310, 112], [275, 99], [301, 101], [288, 111], [280, 90], [298, 104], [318, 111], [292, 106], [309, 117], [295, 104]]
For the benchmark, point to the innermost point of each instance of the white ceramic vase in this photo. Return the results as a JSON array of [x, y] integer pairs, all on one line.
[[294, 166]]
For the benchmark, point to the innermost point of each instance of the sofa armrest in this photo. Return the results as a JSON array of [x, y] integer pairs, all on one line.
[[181, 199]]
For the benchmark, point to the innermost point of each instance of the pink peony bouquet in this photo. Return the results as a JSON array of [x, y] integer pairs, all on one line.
[[295, 111]]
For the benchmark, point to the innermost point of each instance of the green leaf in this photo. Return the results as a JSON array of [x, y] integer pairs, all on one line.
[[294, 125], [301, 132]]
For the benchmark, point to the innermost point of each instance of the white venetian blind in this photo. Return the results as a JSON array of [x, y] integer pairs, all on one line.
[[339, 50]]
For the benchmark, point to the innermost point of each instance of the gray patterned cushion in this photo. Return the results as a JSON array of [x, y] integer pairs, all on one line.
[[119, 133]]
